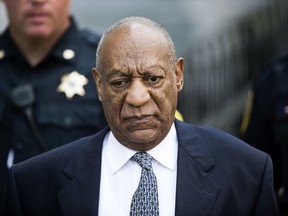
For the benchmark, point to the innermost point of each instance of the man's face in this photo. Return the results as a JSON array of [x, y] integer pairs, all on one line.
[[37, 18], [139, 86]]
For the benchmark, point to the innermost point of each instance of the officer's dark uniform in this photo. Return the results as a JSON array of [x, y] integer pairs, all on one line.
[[268, 123], [63, 101]]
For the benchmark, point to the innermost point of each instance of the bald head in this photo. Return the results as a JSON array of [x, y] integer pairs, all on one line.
[[142, 30]]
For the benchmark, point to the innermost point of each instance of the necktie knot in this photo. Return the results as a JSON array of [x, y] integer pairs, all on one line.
[[143, 159]]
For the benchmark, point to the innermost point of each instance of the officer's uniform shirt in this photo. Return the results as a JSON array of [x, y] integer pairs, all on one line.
[[65, 105], [267, 121]]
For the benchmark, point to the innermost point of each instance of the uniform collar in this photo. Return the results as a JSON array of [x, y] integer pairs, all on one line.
[[67, 42], [7, 45]]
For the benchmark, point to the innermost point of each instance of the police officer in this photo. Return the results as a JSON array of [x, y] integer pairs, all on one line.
[[265, 124], [47, 93]]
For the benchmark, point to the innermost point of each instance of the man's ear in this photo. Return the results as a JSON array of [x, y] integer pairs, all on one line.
[[98, 82], [179, 73]]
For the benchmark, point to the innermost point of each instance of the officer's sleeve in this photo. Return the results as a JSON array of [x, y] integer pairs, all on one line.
[[254, 128], [12, 203]]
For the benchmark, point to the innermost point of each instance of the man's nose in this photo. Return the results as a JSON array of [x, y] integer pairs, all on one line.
[[138, 93]]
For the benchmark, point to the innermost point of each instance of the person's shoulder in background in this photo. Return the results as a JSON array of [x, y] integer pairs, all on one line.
[[90, 37]]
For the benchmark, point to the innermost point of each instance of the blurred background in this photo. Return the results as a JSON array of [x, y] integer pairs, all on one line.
[[225, 44]]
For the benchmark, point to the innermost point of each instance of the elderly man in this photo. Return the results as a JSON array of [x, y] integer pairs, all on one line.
[[144, 162]]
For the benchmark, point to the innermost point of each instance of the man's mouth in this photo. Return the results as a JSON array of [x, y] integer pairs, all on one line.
[[37, 17]]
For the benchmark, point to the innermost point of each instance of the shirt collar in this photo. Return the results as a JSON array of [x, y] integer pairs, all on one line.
[[165, 153]]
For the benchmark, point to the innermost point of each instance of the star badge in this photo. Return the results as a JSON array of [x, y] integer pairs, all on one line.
[[72, 84]]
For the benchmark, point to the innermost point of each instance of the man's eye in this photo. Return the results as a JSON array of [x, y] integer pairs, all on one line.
[[119, 83], [153, 79]]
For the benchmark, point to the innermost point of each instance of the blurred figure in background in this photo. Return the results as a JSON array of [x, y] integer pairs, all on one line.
[[265, 123], [47, 93]]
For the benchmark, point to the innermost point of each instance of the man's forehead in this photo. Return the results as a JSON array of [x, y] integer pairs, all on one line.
[[136, 31]]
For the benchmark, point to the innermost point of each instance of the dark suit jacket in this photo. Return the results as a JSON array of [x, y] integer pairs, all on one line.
[[217, 175]]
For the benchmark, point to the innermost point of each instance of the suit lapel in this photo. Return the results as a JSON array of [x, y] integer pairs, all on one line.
[[196, 191], [80, 196]]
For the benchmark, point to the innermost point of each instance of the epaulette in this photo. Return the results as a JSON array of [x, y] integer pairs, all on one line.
[[91, 37]]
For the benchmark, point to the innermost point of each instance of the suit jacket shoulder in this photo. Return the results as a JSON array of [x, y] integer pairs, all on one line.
[[215, 144], [218, 174]]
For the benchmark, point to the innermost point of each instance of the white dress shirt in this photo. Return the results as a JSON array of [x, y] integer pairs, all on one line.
[[120, 175]]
